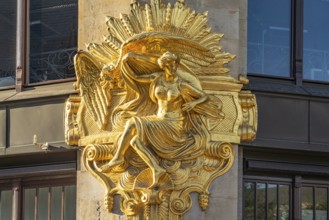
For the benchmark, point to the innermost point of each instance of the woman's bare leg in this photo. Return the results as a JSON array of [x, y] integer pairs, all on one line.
[[148, 158], [127, 135]]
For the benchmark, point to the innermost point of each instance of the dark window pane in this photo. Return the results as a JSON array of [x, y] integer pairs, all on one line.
[[260, 201], [53, 39], [316, 47], [321, 203], [56, 203], [269, 37], [29, 204], [284, 205], [249, 200], [6, 204], [69, 202], [307, 203], [272, 201], [7, 42], [43, 203]]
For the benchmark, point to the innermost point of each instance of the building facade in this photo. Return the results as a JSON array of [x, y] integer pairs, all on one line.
[[285, 169], [282, 48]]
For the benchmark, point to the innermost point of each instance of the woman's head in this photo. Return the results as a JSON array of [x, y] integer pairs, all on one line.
[[168, 60]]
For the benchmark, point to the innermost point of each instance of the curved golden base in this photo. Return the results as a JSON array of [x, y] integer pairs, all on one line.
[[170, 197]]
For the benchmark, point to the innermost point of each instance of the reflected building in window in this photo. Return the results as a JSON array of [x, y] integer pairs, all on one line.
[[8, 43], [52, 40]]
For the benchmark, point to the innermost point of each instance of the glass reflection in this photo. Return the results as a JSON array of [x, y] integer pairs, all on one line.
[[56, 201], [316, 47], [272, 202], [29, 203], [70, 202], [249, 200], [43, 203], [269, 37], [321, 203], [7, 42], [6, 204], [284, 202], [53, 39], [260, 201], [307, 203]]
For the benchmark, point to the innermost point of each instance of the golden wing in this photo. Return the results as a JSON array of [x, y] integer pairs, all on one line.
[[89, 82]]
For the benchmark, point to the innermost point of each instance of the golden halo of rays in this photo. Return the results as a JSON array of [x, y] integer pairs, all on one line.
[[173, 21]]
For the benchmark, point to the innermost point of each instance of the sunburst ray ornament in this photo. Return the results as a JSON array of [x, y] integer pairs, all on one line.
[[159, 27]]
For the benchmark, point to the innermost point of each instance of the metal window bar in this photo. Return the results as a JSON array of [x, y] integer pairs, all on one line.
[[255, 201], [314, 209], [266, 200], [314, 185], [277, 201], [49, 200], [36, 204], [49, 203], [63, 200], [36, 207], [290, 202]]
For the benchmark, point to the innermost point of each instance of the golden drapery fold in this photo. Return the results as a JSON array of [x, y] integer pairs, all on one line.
[[180, 138]]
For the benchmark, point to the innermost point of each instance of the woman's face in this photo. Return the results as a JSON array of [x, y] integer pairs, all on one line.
[[171, 66]]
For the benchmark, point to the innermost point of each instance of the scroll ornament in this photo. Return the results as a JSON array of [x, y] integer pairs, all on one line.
[[157, 112]]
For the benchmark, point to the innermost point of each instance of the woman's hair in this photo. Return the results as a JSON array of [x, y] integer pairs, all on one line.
[[167, 57]]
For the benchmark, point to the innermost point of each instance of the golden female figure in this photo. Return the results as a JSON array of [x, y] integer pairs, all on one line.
[[168, 133]]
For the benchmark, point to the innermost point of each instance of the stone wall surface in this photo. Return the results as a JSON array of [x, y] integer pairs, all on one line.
[[223, 199], [3, 119], [227, 17], [90, 199]]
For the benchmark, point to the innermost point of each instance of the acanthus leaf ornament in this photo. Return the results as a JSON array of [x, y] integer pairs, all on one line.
[[157, 112]]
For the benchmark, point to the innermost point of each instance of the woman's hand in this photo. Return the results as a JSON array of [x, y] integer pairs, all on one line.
[[189, 106]]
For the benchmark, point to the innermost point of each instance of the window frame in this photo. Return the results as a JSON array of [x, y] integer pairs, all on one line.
[[296, 50], [22, 48], [268, 180], [295, 200], [17, 186]]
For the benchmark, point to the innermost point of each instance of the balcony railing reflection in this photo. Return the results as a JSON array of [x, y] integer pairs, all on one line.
[[52, 65]]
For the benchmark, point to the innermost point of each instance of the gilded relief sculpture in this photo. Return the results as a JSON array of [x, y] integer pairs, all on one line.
[[157, 112]]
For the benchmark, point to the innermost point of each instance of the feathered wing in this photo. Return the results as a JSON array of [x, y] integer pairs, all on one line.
[[95, 96]]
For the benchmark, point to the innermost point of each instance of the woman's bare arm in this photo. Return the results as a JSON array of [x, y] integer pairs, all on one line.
[[185, 87]]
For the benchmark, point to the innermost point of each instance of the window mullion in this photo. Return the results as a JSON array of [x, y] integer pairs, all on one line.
[[255, 201], [20, 43], [327, 202], [277, 201], [62, 202], [297, 198], [297, 40], [49, 203], [17, 200], [36, 208], [314, 208], [266, 200]]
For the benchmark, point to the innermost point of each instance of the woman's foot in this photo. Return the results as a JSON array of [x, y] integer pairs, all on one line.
[[113, 163]]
